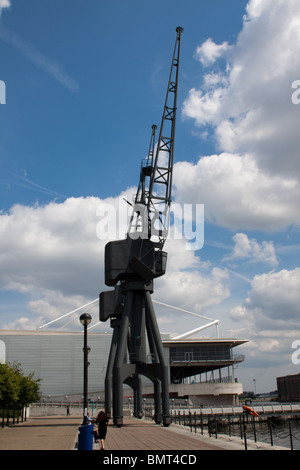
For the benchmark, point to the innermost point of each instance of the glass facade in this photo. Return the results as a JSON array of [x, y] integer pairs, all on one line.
[[190, 353]]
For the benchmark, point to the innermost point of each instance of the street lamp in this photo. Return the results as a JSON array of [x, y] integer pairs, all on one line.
[[254, 383], [85, 320]]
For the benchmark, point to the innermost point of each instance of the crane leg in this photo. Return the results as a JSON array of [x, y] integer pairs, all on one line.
[[109, 372], [164, 370], [118, 370]]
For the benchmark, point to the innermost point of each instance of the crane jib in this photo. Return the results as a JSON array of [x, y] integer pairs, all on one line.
[[155, 184]]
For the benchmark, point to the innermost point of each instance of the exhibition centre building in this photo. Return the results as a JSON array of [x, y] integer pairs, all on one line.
[[200, 370]]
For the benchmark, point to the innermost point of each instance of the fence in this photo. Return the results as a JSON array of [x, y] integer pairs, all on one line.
[[13, 416], [244, 426]]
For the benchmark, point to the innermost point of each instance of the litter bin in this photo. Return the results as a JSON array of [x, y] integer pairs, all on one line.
[[85, 437]]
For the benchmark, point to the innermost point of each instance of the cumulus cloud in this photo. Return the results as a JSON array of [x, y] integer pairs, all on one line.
[[249, 110], [43, 245], [199, 291], [269, 317], [236, 194], [273, 302], [250, 249], [193, 289], [51, 254], [54, 255], [4, 4], [276, 296], [209, 51]]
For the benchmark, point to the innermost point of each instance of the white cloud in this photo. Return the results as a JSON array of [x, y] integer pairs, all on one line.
[[45, 246], [276, 296], [199, 291], [204, 107], [269, 317], [272, 303], [4, 4], [255, 8], [252, 250], [252, 117], [53, 255], [236, 194], [192, 289], [209, 51]]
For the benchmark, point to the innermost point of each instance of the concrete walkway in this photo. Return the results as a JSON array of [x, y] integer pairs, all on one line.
[[42, 433], [61, 433], [136, 434]]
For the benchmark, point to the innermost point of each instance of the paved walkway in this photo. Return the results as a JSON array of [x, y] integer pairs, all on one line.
[[42, 433], [61, 433], [136, 434]]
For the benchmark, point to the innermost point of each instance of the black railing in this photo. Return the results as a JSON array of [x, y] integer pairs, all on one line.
[[244, 427], [12, 416], [174, 358]]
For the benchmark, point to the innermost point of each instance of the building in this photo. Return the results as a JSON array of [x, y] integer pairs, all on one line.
[[288, 388], [212, 361], [201, 370], [56, 357]]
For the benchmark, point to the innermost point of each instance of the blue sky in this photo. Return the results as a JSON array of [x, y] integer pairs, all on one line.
[[84, 83]]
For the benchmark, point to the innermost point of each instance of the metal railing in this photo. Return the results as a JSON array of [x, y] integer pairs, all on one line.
[[206, 358], [12, 416], [285, 435]]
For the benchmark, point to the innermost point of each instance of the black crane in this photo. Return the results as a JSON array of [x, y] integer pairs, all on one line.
[[132, 264]]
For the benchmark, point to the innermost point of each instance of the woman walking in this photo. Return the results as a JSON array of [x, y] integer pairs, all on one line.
[[101, 421]]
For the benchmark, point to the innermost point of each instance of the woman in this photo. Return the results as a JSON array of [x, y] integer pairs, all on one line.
[[102, 421]]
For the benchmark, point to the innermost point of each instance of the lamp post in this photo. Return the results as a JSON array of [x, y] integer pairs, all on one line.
[[254, 383], [85, 320]]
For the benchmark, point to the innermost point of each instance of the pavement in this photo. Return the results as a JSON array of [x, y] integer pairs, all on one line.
[[61, 433], [41, 433], [54, 433], [141, 434]]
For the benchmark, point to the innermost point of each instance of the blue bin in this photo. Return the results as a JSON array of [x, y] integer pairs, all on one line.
[[85, 437]]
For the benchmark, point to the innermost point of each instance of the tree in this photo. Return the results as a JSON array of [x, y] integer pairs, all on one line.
[[9, 386], [29, 390], [16, 388]]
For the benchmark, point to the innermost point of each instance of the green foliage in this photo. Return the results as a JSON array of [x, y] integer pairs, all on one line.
[[16, 388]]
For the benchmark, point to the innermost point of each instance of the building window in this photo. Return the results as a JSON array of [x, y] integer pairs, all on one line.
[[205, 353]]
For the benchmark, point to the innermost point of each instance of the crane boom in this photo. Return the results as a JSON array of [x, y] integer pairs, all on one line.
[[152, 204]]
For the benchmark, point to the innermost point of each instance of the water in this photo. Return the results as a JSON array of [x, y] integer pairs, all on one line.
[[280, 432]]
